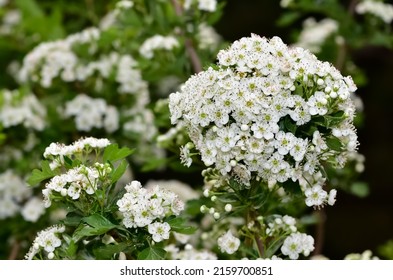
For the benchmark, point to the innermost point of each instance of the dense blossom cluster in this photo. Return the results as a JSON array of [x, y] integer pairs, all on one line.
[[47, 241], [92, 113], [18, 109], [268, 111], [314, 33], [75, 183], [143, 207], [57, 151], [379, 9], [13, 191]]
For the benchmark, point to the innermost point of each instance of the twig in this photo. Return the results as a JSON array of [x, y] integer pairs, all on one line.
[[192, 54], [14, 250], [320, 232]]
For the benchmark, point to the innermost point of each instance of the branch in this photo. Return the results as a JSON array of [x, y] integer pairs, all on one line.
[[192, 54], [14, 250]]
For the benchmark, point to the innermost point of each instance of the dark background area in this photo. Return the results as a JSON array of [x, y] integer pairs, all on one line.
[[353, 224]]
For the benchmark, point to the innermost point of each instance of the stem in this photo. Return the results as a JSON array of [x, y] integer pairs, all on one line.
[[190, 50], [251, 217], [14, 250], [320, 232]]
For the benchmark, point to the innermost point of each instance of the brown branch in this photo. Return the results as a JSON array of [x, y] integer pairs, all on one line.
[[320, 232], [14, 250], [192, 54]]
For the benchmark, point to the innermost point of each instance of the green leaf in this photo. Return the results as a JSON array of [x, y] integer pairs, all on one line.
[[96, 225], [152, 253], [154, 164], [288, 19], [360, 189], [179, 225], [106, 252], [334, 143], [274, 246], [72, 219], [99, 222], [113, 153], [119, 171], [334, 119], [30, 7], [37, 176], [72, 248]]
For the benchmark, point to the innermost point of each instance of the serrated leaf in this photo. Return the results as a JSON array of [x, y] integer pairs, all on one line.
[[152, 253], [99, 222], [119, 171], [113, 153], [37, 176], [179, 225]]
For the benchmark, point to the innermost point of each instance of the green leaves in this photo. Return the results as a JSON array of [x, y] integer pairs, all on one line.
[[179, 225], [92, 226], [152, 253], [113, 153], [38, 176]]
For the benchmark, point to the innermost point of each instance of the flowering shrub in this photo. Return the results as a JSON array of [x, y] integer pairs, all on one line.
[[103, 219]]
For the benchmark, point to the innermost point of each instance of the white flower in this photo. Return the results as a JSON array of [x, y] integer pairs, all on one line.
[[228, 243], [159, 231], [332, 197], [314, 33], [379, 9], [315, 196], [207, 5], [47, 240], [33, 209], [297, 243]]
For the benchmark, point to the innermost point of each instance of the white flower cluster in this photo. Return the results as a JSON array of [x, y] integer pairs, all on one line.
[[51, 60], [297, 243], [268, 111], [314, 33], [57, 151], [228, 243], [157, 42], [92, 113], [280, 225], [379, 9], [25, 110], [75, 183], [9, 21], [189, 253], [143, 207], [47, 240], [208, 38], [13, 191]]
